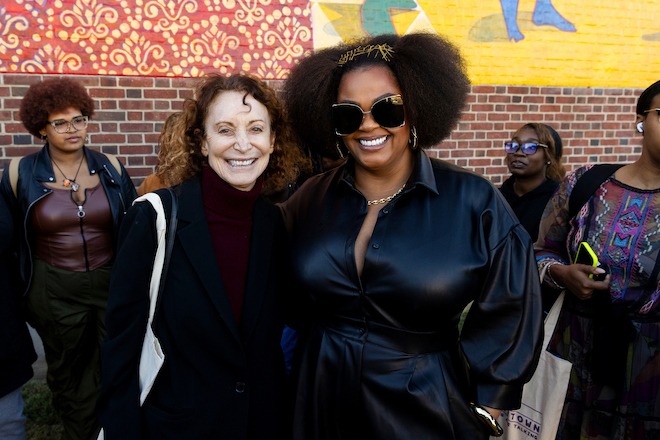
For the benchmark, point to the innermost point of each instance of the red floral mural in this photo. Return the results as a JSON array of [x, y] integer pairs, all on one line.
[[175, 38]]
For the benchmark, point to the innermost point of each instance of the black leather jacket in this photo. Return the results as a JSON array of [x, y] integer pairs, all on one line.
[[37, 168]]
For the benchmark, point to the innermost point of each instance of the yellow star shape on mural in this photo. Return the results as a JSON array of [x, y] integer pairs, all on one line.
[[343, 20]]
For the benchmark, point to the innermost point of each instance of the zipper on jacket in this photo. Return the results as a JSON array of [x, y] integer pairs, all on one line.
[[81, 216], [27, 241]]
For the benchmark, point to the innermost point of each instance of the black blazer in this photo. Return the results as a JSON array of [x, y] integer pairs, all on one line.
[[219, 380]]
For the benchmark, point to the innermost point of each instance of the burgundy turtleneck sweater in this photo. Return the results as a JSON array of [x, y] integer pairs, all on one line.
[[229, 215]]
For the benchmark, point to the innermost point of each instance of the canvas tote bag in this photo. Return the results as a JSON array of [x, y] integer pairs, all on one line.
[[543, 396], [152, 356]]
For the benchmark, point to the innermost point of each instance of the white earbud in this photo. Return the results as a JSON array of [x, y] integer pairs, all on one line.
[[640, 127]]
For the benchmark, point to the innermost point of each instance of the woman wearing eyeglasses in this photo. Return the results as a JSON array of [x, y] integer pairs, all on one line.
[[390, 247], [67, 202], [533, 156], [610, 329]]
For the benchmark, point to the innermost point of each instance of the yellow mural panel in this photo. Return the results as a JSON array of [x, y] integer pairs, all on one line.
[[587, 43]]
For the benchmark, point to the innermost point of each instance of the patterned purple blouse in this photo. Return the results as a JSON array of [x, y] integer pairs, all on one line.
[[613, 342]]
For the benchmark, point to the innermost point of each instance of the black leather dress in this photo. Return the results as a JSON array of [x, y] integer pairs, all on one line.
[[382, 357]]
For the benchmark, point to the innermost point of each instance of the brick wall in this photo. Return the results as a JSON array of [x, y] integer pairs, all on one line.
[[596, 124]]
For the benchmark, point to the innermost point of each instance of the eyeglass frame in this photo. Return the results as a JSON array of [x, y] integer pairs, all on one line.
[[657, 110], [521, 147], [70, 124], [399, 102]]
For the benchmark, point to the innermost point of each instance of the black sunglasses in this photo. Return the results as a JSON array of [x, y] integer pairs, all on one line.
[[387, 112], [526, 147]]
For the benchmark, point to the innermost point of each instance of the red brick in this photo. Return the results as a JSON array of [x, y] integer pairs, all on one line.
[[141, 104], [582, 115], [127, 81], [116, 93], [154, 94]]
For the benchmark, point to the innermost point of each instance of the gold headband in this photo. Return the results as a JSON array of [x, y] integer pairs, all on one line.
[[385, 50]]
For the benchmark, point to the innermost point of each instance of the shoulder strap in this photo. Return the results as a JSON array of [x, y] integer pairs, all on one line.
[[166, 234], [587, 184], [114, 161], [152, 355], [171, 233], [13, 174]]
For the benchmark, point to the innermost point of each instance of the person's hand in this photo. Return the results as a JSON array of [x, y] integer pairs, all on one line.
[[493, 411], [575, 277]]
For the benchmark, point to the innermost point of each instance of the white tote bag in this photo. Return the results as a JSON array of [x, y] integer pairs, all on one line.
[[152, 356], [543, 396]]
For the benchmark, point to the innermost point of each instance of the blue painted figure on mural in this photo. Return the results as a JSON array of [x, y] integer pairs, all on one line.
[[545, 14], [377, 15]]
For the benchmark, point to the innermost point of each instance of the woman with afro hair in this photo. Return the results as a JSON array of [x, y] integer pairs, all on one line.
[[391, 246], [67, 202]]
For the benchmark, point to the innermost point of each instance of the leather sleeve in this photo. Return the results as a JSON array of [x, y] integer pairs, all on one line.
[[504, 358]]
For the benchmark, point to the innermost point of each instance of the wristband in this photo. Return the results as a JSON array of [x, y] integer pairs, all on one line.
[[551, 280]]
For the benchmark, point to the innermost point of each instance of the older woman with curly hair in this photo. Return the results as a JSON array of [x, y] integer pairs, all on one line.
[[68, 202], [218, 319], [390, 247], [175, 161]]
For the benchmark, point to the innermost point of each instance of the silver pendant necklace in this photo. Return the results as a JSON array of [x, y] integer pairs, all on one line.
[[66, 182]]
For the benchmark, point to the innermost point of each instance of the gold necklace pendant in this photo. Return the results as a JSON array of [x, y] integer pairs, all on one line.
[[385, 199]]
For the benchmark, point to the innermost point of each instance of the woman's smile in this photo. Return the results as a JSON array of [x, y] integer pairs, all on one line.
[[241, 163], [374, 142]]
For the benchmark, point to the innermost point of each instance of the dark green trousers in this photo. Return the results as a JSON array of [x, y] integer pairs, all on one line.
[[67, 309]]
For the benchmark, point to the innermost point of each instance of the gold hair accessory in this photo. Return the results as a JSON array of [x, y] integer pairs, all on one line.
[[385, 50]]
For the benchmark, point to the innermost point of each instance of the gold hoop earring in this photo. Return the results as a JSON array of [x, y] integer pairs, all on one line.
[[341, 153], [413, 138]]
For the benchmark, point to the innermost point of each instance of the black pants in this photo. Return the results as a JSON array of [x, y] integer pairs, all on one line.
[[67, 309]]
